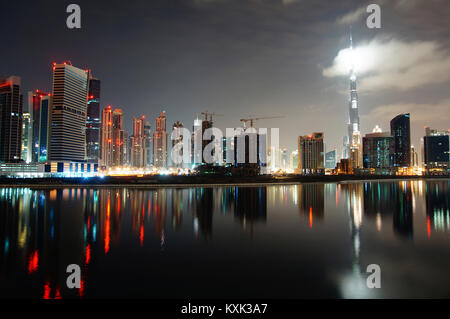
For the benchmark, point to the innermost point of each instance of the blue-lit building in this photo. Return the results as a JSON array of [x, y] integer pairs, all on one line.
[[330, 159], [44, 128], [436, 150], [39, 106], [378, 150]]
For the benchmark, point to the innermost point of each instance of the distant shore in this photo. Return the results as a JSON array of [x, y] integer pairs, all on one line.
[[193, 181]]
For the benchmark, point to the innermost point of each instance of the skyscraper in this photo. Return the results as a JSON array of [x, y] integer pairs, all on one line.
[[311, 154], [177, 126], [400, 131], [436, 153], [93, 121], [294, 160], [26, 147], [378, 150], [160, 140], [197, 136], [352, 143], [11, 112], [137, 142], [106, 138], [147, 144], [44, 127], [68, 116], [330, 159], [118, 158], [35, 99], [414, 157]]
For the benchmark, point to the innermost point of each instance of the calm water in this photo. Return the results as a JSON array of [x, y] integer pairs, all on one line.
[[311, 240]]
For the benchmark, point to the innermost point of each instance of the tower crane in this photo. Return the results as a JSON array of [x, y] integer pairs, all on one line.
[[251, 120], [211, 114]]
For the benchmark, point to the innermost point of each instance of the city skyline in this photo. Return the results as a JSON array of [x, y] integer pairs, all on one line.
[[299, 66]]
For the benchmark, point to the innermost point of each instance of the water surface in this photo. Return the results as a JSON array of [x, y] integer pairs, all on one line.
[[296, 241]]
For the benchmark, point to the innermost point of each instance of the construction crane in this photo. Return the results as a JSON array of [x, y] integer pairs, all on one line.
[[251, 120], [211, 114]]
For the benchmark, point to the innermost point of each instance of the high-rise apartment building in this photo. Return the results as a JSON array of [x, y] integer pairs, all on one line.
[[160, 142], [11, 112], [311, 154], [138, 142], [118, 157], [106, 138], [68, 116]]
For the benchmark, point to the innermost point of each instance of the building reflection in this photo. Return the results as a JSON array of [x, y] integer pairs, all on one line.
[[437, 206], [250, 206], [203, 219], [391, 200], [311, 202], [43, 231]]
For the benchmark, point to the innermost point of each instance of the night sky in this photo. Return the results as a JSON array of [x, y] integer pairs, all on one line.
[[243, 57]]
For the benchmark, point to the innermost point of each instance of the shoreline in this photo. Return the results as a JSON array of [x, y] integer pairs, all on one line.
[[153, 182]]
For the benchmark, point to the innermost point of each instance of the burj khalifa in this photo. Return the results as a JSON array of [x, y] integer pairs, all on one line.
[[352, 142]]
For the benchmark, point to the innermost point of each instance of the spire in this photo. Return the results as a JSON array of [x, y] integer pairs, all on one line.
[[352, 70], [351, 39]]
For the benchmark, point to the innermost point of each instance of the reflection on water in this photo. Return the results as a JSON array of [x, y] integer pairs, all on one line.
[[227, 230]]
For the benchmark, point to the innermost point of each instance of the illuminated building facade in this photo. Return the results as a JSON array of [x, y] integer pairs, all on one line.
[[436, 150], [68, 116], [160, 141], [311, 154], [137, 142], [330, 159], [352, 142], [400, 131], [147, 144], [112, 146], [11, 112], [106, 140], [39, 115], [26, 149], [378, 150], [118, 145]]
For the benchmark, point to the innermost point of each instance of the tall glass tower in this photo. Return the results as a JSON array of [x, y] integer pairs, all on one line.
[[68, 116], [93, 121]]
